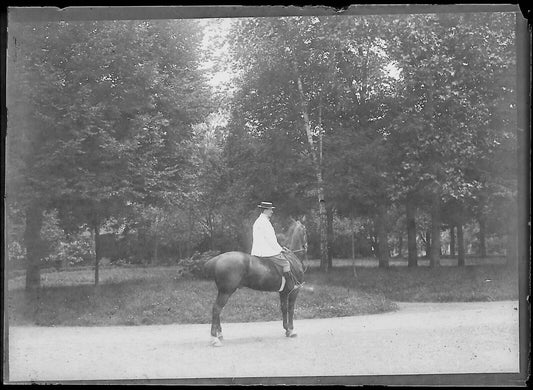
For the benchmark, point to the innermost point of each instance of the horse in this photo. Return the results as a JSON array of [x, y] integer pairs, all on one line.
[[233, 270]]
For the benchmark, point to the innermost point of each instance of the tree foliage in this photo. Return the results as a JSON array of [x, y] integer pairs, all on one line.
[[353, 121], [101, 114]]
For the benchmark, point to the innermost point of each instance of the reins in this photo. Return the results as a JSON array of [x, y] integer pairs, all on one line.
[[304, 265]]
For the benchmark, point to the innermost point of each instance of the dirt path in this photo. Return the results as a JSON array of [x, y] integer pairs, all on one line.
[[418, 339]]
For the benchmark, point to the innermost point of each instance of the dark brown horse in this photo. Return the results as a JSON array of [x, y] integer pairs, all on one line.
[[233, 270]]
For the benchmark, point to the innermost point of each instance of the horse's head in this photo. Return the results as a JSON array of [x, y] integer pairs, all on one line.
[[297, 244], [297, 238]]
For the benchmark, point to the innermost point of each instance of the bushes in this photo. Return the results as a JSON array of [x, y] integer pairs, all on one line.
[[194, 265], [58, 248], [16, 253], [72, 252]]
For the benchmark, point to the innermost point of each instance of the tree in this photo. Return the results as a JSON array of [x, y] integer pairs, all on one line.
[[101, 117], [326, 78], [447, 64], [457, 214], [410, 213], [25, 186], [363, 106], [278, 76]]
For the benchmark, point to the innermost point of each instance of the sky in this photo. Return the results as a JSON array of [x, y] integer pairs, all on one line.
[[215, 31]]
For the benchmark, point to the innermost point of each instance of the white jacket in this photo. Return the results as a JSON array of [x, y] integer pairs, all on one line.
[[264, 241]]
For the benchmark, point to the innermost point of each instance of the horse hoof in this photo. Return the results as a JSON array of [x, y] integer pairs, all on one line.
[[290, 333], [215, 342]]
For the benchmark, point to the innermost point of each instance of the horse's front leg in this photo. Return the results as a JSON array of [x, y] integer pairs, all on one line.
[[284, 304], [290, 311], [216, 328]]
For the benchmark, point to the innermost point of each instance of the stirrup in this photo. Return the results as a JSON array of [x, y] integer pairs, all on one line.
[[296, 286]]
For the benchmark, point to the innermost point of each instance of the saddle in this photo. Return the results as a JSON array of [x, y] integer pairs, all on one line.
[[291, 257], [272, 261], [279, 267]]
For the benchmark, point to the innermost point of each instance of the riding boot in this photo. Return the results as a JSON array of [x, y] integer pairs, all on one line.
[[289, 276]]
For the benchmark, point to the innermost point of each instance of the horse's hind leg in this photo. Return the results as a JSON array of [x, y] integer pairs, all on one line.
[[216, 328], [284, 305]]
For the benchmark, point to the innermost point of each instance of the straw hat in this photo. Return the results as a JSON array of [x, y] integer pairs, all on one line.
[[265, 205]]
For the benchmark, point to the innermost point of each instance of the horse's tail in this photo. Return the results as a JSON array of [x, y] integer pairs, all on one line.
[[209, 267]]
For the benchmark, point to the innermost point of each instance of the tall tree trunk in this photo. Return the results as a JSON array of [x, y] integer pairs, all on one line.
[[429, 113], [460, 246], [400, 245], [189, 236], [140, 244], [324, 263], [452, 240], [381, 230], [353, 245], [428, 243], [34, 247], [155, 255], [329, 213], [97, 252], [434, 259], [374, 244], [410, 211], [353, 253], [482, 237]]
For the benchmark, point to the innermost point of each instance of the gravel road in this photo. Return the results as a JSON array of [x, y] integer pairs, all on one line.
[[420, 338]]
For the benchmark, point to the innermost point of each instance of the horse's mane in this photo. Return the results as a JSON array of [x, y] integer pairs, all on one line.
[[290, 232], [294, 233]]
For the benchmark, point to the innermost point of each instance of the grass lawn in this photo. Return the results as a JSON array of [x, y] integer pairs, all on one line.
[[138, 296], [425, 284]]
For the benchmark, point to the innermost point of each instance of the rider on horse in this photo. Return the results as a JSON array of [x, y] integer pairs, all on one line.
[[265, 243]]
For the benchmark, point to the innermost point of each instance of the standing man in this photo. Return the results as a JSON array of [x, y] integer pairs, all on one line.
[[265, 243]]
